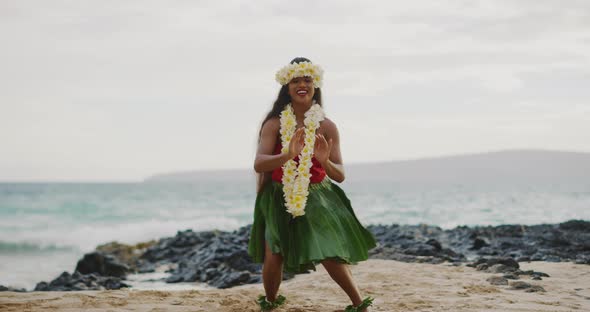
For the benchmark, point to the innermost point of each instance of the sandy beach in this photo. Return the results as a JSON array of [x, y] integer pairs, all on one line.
[[397, 286]]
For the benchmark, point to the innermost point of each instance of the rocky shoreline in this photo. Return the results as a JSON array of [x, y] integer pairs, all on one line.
[[220, 258]]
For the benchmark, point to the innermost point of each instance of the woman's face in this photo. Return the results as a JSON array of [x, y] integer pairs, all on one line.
[[301, 89]]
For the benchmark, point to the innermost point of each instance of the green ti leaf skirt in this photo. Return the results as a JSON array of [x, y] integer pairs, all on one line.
[[328, 230]]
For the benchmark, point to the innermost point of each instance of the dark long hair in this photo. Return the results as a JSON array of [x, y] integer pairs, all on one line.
[[279, 104]]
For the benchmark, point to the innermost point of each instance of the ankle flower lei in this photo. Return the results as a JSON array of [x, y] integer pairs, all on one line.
[[296, 178]]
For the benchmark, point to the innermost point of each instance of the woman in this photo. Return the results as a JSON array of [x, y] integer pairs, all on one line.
[[301, 218]]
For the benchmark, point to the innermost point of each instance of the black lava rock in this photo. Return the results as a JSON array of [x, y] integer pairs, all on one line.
[[217, 258], [7, 288], [221, 259], [78, 281], [101, 264]]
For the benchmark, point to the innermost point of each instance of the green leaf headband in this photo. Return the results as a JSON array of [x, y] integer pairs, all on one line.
[[302, 69]]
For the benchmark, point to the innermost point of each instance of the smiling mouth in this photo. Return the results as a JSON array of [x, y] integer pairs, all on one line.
[[302, 92]]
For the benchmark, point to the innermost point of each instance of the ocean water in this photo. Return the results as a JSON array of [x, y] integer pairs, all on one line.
[[46, 227]]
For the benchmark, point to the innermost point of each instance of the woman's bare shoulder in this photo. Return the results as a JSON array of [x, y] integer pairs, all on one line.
[[273, 124], [328, 125]]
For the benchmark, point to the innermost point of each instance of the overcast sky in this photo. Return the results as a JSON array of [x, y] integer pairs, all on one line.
[[120, 90]]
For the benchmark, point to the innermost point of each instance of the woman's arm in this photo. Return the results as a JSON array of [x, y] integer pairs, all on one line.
[[265, 160], [333, 164], [334, 171]]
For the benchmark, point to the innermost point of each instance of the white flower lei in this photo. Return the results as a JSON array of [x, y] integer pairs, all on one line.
[[296, 178], [301, 69]]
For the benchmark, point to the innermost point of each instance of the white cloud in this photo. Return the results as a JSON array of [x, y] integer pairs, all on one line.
[[121, 90]]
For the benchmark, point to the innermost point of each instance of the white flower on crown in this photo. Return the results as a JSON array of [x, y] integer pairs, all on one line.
[[301, 69], [296, 178]]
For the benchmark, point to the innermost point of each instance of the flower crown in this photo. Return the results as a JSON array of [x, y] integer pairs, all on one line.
[[301, 69]]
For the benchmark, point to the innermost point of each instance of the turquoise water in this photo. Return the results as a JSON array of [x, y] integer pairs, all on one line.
[[46, 227]]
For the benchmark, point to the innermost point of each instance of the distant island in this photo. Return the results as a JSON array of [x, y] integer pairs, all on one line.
[[507, 165]]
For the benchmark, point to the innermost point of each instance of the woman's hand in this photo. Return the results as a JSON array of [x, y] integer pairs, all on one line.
[[297, 143], [322, 148]]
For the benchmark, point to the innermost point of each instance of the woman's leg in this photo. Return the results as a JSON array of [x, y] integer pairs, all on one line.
[[272, 272], [342, 275]]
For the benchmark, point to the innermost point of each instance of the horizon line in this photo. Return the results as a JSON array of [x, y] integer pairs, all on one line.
[[420, 158]]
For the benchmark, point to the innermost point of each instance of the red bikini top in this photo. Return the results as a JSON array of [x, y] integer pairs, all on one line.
[[317, 171]]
